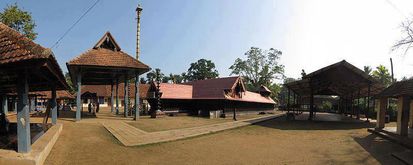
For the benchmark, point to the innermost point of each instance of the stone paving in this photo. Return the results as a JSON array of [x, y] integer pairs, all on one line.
[[132, 136]]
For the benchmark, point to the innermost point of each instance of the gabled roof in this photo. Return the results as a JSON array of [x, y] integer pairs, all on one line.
[[18, 53], [176, 91], [107, 41], [397, 89], [213, 88]]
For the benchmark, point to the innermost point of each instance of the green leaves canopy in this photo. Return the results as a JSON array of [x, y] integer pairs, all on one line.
[[260, 67], [201, 70], [19, 20]]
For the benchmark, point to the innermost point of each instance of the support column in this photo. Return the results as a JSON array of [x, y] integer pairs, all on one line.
[[411, 115], [117, 96], [126, 104], [78, 99], [288, 100], [310, 117], [136, 97], [403, 105], [368, 104], [23, 118], [381, 112], [358, 105], [4, 105], [111, 97], [352, 105], [53, 105]]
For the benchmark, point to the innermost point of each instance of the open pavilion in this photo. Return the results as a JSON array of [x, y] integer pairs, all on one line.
[[26, 67], [340, 79], [106, 64]]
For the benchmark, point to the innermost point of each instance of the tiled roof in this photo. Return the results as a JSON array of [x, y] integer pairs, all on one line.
[[14, 47], [176, 91], [401, 88], [104, 90], [107, 58], [210, 89]]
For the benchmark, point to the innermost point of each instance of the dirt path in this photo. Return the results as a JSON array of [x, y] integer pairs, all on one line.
[[271, 142]]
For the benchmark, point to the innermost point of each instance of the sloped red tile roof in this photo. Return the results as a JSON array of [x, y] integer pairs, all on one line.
[[104, 90], [176, 91], [210, 89], [401, 88], [107, 58]]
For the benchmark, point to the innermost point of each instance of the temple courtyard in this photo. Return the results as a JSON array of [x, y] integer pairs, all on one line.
[[340, 140]]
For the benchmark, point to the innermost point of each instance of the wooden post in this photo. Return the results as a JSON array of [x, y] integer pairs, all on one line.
[[126, 101], [368, 103], [403, 105], [310, 117], [352, 105], [411, 115], [5, 105], [117, 96], [136, 97], [23, 118], [381, 113], [358, 105], [111, 97], [288, 100], [78, 99], [53, 105]]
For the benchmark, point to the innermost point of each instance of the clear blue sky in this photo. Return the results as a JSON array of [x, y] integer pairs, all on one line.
[[311, 33], [174, 33]]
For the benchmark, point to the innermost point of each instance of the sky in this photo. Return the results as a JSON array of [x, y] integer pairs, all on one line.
[[310, 33]]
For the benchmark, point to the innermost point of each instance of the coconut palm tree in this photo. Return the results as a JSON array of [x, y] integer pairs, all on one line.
[[382, 74]]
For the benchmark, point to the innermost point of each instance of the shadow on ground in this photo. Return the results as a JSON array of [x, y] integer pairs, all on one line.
[[283, 124], [380, 149]]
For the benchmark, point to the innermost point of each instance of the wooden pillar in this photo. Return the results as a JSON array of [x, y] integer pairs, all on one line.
[[368, 104], [53, 105], [352, 105], [126, 101], [23, 118], [78, 99], [411, 115], [403, 105], [288, 100], [358, 105], [111, 97], [136, 97], [117, 96], [381, 112], [5, 108], [310, 117]]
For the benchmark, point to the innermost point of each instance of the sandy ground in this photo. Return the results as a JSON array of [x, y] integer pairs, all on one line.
[[271, 142], [167, 123]]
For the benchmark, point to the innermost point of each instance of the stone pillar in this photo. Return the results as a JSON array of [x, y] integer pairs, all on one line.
[[111, 97], [381, 112], [403, 105], [23, 118], [117, 96], [126, 101], [78, 99], [53, 106], [4, 105], [136, 97], [411, 115]]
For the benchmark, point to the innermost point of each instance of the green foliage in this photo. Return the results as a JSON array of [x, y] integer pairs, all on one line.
[[176, 78], [19, 20], [326, 105], [303, 73], [69, 82], [382, 74], [367, 70], [201, 70], [154, 75], [260, 67]]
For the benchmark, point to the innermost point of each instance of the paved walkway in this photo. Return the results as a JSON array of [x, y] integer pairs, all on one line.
[[132, 136]]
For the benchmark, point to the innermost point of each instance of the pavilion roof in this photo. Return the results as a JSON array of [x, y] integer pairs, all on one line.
[[342, 79], [104, 63], [19, 54], [397, 89]]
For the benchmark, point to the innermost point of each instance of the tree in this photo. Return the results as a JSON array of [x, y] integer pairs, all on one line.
[[382, 74], [260, 68], [406, 41], [367, 70], [19, 20], [201, 70], [151, 76], [69, 82], [303, 73], [142, 80], [176, 78]]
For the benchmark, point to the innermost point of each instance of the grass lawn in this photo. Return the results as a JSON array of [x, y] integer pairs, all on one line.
[[272, 142], [167, 123]]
